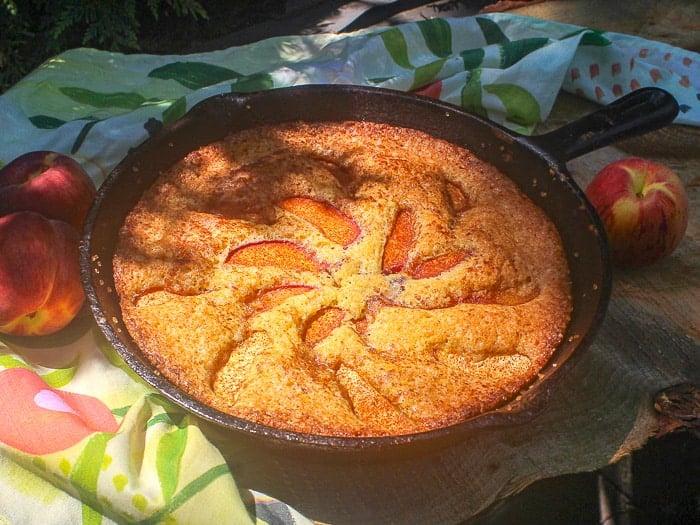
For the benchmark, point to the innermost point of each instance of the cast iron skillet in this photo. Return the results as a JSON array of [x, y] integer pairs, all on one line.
[[537, 164]]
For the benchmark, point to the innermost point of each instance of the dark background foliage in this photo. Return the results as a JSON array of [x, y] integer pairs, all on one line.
[[31, 31]]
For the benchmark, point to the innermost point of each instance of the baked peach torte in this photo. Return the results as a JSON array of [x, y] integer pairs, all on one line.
[[347, 279]]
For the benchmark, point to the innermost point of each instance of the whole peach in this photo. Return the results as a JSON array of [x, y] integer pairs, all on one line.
[[40, 287], [49, 183]]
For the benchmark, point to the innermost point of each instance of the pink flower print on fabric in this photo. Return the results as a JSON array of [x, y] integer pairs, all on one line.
[[38, 419]]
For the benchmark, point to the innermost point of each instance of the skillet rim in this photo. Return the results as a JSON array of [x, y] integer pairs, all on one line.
[[517, 410]]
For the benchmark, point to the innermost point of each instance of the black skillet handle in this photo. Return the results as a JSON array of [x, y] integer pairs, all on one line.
[[638, 112]]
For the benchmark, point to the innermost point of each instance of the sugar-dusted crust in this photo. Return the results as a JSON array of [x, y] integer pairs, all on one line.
[[349, 279]]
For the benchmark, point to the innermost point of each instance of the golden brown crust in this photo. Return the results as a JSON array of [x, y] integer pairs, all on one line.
[[348, 279]]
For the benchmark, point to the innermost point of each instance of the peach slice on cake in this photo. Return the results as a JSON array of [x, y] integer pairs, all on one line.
[[437, 265], [398, 247], [322, 324], [399, 243], [282, 254], [330, 221], [268, 299]]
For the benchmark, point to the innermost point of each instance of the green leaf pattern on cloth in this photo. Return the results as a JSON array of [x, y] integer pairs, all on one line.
[[76, 102], [84, 475], [512, 52], [518, 102], [397, 47], [175, 111], [493, 34], [471, 94], [170, 450], [194, 75], [472, 58], [438, 36], [158, 467], [61, 376], [87, 97], [46, 122], [426, 73]]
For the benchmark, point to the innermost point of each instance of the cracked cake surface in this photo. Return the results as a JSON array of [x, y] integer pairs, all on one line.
[[348, 279]]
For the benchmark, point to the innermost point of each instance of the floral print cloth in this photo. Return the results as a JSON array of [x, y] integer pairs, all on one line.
[[87, 441]]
